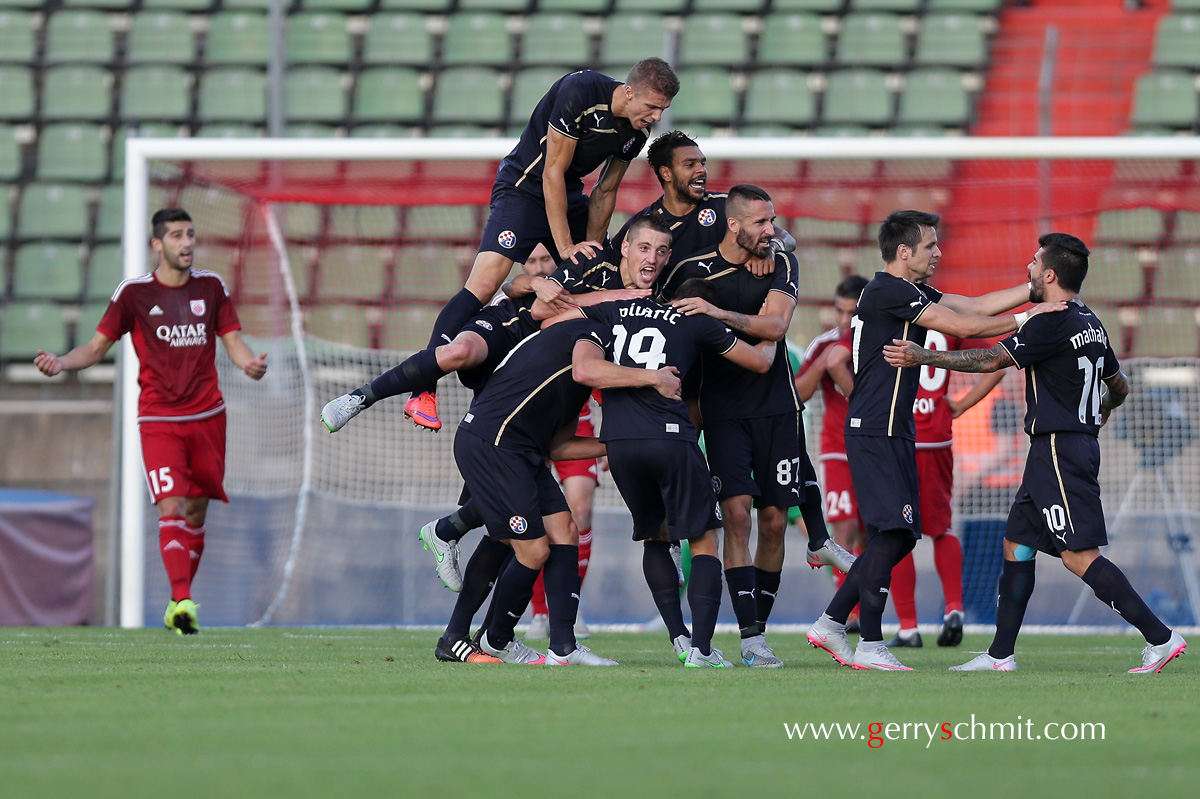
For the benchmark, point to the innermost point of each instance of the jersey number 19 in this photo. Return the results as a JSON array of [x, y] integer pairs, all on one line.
[[647, 347]]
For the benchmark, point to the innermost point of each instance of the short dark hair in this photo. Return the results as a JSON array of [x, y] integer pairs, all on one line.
[[652, 221], [699, 287], [158, 222], [742, 195], [1067, 256], [654, 74], [661, 151], [903, 227], [850, 287]]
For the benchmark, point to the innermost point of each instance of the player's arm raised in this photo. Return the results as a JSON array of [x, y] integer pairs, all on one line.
[[944, 319], [771, 322], [990, 304], [81, 357], [560, 149], [541, 310], [243, 357], [603, 199], [906, 353], [589, 367]]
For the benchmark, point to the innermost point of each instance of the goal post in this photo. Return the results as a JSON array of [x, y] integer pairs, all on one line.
[[1135, 200]]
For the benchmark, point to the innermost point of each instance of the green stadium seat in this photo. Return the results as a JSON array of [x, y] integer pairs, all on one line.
[[228, 130], [110, 213], [816, 6], [74, 37], [104, 272], [339, 324], [740, 6], [1178, 274], [179, 5], [388, 93], [156, 93], [1177, 41], [477, 39], [716, 39], [898, 6], [780, 96], [423, 272], [761, 131], [147, 131], [406, 328], [81, 92], [827, 230], [26, 327], [934, 96], [857, 97], [953, 40], [52, 211], [17, 98], [160, 37], [792, 40], [89, 316], [1135, 226], [575, 6], [1114, 275], [299, 221], [459, 131], [356, 222], [529, 85], [10, 155], [806, 325], [384, 132], [819, 269], [113, 5], [442, 223], [709, 96], [628, 38], [237, 37], [469, 95], [1167, 99], [314, 94], [871, 40], [1166, 333], [512, 6], [866, 260], [397, 39], [555, 39], [72, 151], [975, 6], [353, 272], [229, 94], [357, 6], [650, 6], [225, 212], [436, 6], [18, 44], [318, 38], [6, 227], [1187, 226], [48, 271]]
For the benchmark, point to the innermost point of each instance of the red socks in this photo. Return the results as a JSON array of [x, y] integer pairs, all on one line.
[[181, 547], [947, 558], [585, 552], [903, 591]]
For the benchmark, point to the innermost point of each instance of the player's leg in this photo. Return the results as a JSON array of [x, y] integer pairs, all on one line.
[[935, 469], [562, 593], [1014, 589], [840, 509], [579, 482], [704, 599], [483, 568], [738, 562], [512, 592], [441, 538]]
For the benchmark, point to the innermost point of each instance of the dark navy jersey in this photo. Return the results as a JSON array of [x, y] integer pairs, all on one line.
[[1066, 356], [882, 401], [702, 229], [727, 391], [644, 334], [532, 395], [601, 272], [577, 106], [513, 315]]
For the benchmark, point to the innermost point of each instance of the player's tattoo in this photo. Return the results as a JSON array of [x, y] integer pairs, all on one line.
[[738, 321], [966, 360], [1118, 390]]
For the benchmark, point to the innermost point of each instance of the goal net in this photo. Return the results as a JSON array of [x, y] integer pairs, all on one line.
[[339, 254]]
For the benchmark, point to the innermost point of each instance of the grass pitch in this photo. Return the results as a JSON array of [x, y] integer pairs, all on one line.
[[350, 712]]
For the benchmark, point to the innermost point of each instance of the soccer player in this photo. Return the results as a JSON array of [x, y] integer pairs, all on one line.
[[753, 431], [1066, 357], [175, 315], [586, 120], [880, 432]]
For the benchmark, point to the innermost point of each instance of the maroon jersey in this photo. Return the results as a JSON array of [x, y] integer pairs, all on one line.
[[833, 438], [175, 331], [930, 410]]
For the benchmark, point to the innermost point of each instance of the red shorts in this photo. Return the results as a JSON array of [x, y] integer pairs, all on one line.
[[588, 467], [185, 459], [935, 477], [838, 488]]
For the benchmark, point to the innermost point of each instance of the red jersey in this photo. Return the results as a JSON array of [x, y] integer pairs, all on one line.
[[833, 424], [175, 331], [931, 412]]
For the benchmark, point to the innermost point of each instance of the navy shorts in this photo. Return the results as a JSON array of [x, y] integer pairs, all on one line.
[[764, 458], [884, 470], [501, 331], [664, 480], [517, 222], [511, 489], [1058, 508]]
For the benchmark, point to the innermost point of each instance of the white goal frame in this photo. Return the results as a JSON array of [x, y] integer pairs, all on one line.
[[139, 152]]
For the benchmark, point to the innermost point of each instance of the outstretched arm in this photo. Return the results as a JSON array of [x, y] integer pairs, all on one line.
[[946, 320], [81, 357], [541, 310], [243, 358], [771, 322], [990, 304], [906, 353]]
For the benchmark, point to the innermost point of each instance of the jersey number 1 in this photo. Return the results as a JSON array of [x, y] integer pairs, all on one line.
[[647, 347]]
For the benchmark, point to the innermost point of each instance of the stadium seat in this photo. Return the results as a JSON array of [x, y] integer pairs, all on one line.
[[16, 93], [383, 132], [1114, 275], [224, 218], [1177, 41], [6, 227], [886, 200], [953, 40], [827, 230], [78, 37], [85, 327], [529, 86], [339, 324], [314, 94], [1166, 333], [228, 130], [397, 39], [72, 151], [424, 272], [459, 131], [817, 6], [650, 6], [148, 130], [455, 223], [740, 6], [792, 40], [179, 5], [299, 221], [574, 6], [1178, 274], [48, 271], [871, 40], [52, 211], [357, 222], [716, 39], [105, 268], [160, 37], [156, 93], [819, 270], [1167, 99], [237, 37], [511, 6], [18, 44], [318, 38], [229, 94], [934, 96], [477, 39], [709, 96], [1135, 226], [438, 6], [750, 130], [899, 6], [857, 97], [110, 212], [628, 38], [1187, 226], [469, 95], [81, 92], [384, 94], [555, 39], [780, 96], [807, 324], [26, 327], [406, 328], [358, 6], [10, 155], [353, 272], [976, 6]]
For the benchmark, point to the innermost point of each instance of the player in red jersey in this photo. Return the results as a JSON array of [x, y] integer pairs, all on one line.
[[175, 315]]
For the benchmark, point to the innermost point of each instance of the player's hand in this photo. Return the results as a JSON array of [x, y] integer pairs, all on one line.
[[902, 353], [48, 363], [1047, 307], [602, 462], [668, 383], [256, 368], [956, 407], [629, 294], [761, 267], [550, 292], [587, 248], [690, 306]]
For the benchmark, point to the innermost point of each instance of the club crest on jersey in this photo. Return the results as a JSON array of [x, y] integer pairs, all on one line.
[[486, 325], [716, 484], [518, 524], [907, 513], [198, 307], [628, 144], [507, 239], [706, 217], [717, 511]]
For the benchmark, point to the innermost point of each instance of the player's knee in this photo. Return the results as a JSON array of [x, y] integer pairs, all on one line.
[[454, 356], [173, 506]]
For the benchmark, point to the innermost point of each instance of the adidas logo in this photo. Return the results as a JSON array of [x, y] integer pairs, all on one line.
[[156, 311], [173, 545], [461, 648]]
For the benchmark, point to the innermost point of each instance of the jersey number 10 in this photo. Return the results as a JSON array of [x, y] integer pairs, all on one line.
[[1091, 389]]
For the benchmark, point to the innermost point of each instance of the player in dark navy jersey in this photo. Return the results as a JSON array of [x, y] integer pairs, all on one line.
[[1068, 364], [880, 431], [586, 120]]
